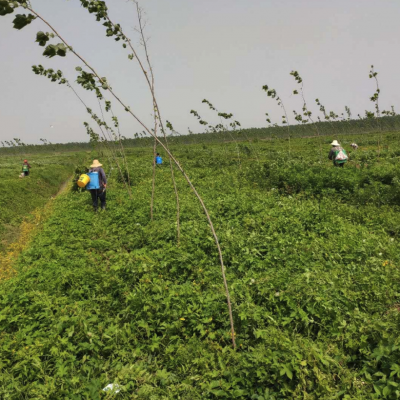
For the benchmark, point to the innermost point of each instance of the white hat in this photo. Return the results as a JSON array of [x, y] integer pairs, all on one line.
[[335, 143], [96, 164]]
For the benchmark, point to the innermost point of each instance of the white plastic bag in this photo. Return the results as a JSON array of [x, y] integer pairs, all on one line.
[[341, 156], [113, 388]]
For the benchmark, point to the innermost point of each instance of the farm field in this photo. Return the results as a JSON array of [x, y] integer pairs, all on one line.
[[312, 258], [19, 197]]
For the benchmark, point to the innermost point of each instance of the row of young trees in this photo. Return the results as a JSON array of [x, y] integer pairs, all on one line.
[[305, 124], [329, 128]]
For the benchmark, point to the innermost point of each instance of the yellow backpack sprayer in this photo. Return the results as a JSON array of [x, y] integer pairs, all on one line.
[[83, 180], [89, 181]]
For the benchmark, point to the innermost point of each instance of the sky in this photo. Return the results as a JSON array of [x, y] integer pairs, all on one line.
[[220, 50]]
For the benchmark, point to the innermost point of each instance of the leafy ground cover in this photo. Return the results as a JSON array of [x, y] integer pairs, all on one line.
[[313, 270], [19, 197]]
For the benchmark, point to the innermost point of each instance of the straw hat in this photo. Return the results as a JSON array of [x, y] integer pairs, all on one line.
[[96, 164], [335, 143]]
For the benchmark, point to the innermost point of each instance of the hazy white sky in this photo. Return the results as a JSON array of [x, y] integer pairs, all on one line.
[[222, 50]]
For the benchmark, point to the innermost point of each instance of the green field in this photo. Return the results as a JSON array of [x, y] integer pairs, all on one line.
[[20, 196], [312, 256]]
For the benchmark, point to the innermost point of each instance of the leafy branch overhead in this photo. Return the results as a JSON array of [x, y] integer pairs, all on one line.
[[54, 76], [42, 38], [87, 81], [274, 95], [53, 50], [22, 20], [5, 8]]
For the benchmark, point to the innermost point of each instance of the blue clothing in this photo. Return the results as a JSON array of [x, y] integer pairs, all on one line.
[[94, 181], [158, 160], [102, 175]]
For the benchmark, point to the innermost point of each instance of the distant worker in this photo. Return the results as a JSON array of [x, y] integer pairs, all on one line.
[[158, 159], [338, 154], [100, 192], [354, 146], [25, 168]]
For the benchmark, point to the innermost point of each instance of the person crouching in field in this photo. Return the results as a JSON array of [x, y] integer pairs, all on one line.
[[25, 168], [338, 154], [158, 159], [99, 193]]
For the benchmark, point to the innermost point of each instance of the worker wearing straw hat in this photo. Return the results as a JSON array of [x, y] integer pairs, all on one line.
[[338, 154], [99, 193]]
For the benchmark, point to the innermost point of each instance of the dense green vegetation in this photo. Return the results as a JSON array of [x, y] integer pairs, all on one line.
[[20, 196], [337, 128], [312, 256]]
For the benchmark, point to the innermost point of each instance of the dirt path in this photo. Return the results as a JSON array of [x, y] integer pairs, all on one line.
[[63, 187]]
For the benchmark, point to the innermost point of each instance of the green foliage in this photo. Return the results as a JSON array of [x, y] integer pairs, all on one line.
[[311, 255], [42, 38], [364, 185], [5, 8], [89, 82], [53, 50], [22, 20], [20, 196], [297, 77], [124, 177], [362, 128], [313, 274], [54, 76], [96, 7]]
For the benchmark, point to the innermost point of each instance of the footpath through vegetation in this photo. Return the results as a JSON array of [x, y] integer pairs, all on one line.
[[21, 196], [23, 202], [312, 258]]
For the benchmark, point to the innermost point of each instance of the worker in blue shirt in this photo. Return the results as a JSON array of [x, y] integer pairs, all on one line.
[[158, 159], [101, 192]]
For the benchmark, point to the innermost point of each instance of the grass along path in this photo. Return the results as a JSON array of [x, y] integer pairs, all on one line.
[[23, 235], [21, 196]]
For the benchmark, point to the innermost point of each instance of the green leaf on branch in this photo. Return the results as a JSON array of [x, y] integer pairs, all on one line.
[[42, 38], [62, 50], [22, 20], [5, 8], [55, 50], [50, 51]]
